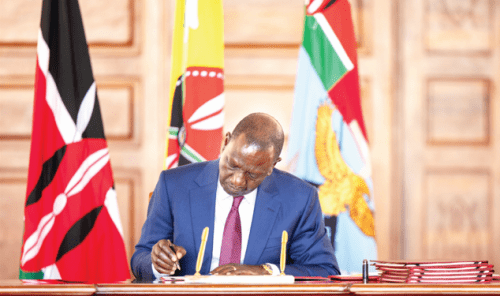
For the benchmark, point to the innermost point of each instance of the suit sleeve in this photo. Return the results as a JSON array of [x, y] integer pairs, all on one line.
[[158, 226], [310, 250]]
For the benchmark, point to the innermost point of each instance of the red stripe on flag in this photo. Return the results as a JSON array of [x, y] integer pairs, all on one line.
[[338, 16], [45, 138], [345, 95], [93, 195], [173, 148], [96, 258]]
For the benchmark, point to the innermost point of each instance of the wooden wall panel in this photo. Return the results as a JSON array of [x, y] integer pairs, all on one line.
[[109, 25], [127, 185], [12, 196], [118, 103], [363, 20], [243, 101], [16, 111], [120, 107], [449, 74], [266, 66], [365, 91], [15, 30], [458, 27], [259, 22], [458, 215], [458, 111]]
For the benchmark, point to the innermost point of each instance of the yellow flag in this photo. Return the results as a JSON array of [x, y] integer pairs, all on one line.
[[196, 97]]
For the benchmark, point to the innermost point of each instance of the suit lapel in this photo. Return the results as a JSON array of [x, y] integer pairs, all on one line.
[[265, 212], [202, 201]]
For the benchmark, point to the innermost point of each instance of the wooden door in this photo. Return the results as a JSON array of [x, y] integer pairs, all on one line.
[[450, 179]]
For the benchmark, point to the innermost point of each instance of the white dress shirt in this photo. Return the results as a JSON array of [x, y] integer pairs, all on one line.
[[223, 204]]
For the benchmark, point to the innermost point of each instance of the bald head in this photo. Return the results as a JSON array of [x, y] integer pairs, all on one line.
[[262, 130]]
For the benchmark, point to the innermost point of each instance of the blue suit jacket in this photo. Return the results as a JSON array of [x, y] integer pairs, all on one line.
[[183, 203]]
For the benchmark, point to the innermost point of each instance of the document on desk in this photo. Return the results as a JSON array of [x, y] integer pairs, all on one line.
[[439, 272], [231, 279]]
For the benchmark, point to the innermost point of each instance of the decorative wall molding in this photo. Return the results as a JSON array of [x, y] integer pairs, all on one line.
[[126, 128], [459, 27], [123, 43], [362, 15], [458, 111], [459, 203], [12, 199], [16, 109], [127, 185], [17, 96]]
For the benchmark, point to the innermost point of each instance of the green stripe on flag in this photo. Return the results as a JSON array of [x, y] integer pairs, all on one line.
[[30, 275], [173, 132], [323, 57], [191, 154]]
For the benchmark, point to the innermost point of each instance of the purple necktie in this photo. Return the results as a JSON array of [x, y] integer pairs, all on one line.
[[231, 239]]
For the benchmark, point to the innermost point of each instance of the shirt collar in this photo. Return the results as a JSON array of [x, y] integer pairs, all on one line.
[[247, 198]]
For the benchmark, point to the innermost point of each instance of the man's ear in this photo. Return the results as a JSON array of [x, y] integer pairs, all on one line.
[[274, 164], [226, 140]]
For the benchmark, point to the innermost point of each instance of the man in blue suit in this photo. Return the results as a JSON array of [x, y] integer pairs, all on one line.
[[189, 198]]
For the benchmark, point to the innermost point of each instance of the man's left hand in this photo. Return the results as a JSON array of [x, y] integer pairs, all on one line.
[[239, 269]]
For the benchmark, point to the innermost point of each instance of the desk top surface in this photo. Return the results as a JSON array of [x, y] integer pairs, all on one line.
[[17, 287]]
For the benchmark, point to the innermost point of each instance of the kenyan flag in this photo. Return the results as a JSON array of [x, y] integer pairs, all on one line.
[[196, 84], [331, 47], [72, 225]]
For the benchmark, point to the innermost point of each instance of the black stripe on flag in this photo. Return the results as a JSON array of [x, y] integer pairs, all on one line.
[[78, 232], [329, 4], [69, 62], [176, 117], [49, 170]]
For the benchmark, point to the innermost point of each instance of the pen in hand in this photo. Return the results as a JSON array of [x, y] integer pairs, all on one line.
[[177, 265]]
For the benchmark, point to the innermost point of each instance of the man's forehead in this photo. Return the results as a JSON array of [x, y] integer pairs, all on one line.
[[249, 148], [244, 145]]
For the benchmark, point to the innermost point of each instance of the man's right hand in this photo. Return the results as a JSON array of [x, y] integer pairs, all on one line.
[[164, 259]]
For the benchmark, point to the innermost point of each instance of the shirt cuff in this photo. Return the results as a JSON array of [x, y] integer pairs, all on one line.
[[276, 270], [160, 275]]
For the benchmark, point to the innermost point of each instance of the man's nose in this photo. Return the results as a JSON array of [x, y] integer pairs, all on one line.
[[239, 179]]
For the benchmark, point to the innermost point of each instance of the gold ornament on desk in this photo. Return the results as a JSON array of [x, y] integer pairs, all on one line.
[[284, 240], [204, 236]]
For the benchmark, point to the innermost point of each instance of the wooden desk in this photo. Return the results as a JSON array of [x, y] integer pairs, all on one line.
[[425, 289], [16, 287], [192, 289]]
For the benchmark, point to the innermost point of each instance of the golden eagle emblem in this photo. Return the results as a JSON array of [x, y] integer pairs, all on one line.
[[342, 187]]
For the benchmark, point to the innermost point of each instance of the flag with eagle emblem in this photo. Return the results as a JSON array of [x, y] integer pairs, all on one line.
[[328, 144], [72, 228], [196, 83]]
